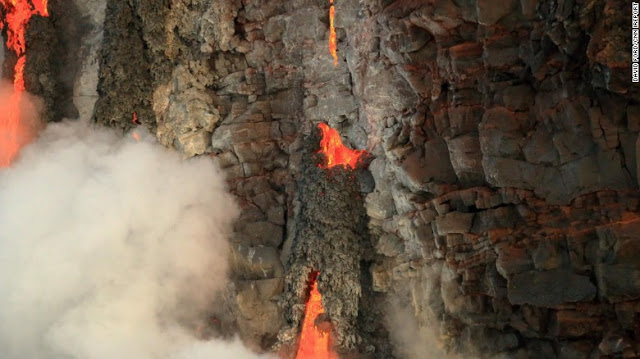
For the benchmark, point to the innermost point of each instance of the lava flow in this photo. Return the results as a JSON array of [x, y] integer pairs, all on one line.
[[135, 120], [314, 342], [335, 153], [333, 37], [17, 16]]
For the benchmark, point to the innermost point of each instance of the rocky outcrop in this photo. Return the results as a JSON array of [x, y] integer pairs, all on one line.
[[508, 230]]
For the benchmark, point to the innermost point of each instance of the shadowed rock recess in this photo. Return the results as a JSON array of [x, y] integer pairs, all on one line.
[[501, 202]]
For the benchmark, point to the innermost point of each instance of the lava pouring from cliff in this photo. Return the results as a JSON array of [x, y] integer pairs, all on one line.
[[314, 341], [15, 134], [333, 37], [335, 153]]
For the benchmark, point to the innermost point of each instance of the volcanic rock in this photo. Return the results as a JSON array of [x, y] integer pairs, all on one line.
[[549, 288], [504, 140]]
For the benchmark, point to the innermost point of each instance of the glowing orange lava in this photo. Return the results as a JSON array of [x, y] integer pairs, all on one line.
[[333, 37], [18, 75], [314, 343], [135, 120], [14, 134], [335, 153]]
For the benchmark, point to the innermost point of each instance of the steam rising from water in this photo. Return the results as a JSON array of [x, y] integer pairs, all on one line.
[[110, 248]]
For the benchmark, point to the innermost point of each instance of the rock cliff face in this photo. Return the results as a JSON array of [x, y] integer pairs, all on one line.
[[502, 202]]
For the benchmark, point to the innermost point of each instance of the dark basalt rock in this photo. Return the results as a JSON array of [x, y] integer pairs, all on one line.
[[331, 237], [550, 288], [124, 69]]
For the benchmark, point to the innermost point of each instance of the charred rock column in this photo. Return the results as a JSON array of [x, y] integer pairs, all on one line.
[[330, 235], [54, 57], [124, 69]]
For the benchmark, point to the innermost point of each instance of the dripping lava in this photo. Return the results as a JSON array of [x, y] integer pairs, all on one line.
[[333, 37], [14, 134], [314, 341]]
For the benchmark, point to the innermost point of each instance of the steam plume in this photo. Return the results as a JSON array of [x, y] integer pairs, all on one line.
[[110, 248]]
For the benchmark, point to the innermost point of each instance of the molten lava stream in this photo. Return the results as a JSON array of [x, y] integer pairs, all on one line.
[[314, 342], [333, 37], [13, 133], [335, 153]]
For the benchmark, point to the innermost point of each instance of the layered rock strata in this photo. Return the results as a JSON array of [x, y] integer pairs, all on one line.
[[506, 185]]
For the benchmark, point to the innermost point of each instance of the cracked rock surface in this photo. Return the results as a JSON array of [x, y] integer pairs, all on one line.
[[501, 202]]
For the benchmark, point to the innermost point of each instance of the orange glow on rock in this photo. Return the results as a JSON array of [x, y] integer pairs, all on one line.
[[335, 153], [17, 13], [333, 37], [314, 342], [13, 135], [135, 120]]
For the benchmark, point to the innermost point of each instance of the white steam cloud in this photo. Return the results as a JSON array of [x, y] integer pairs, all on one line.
[[110, 249]]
